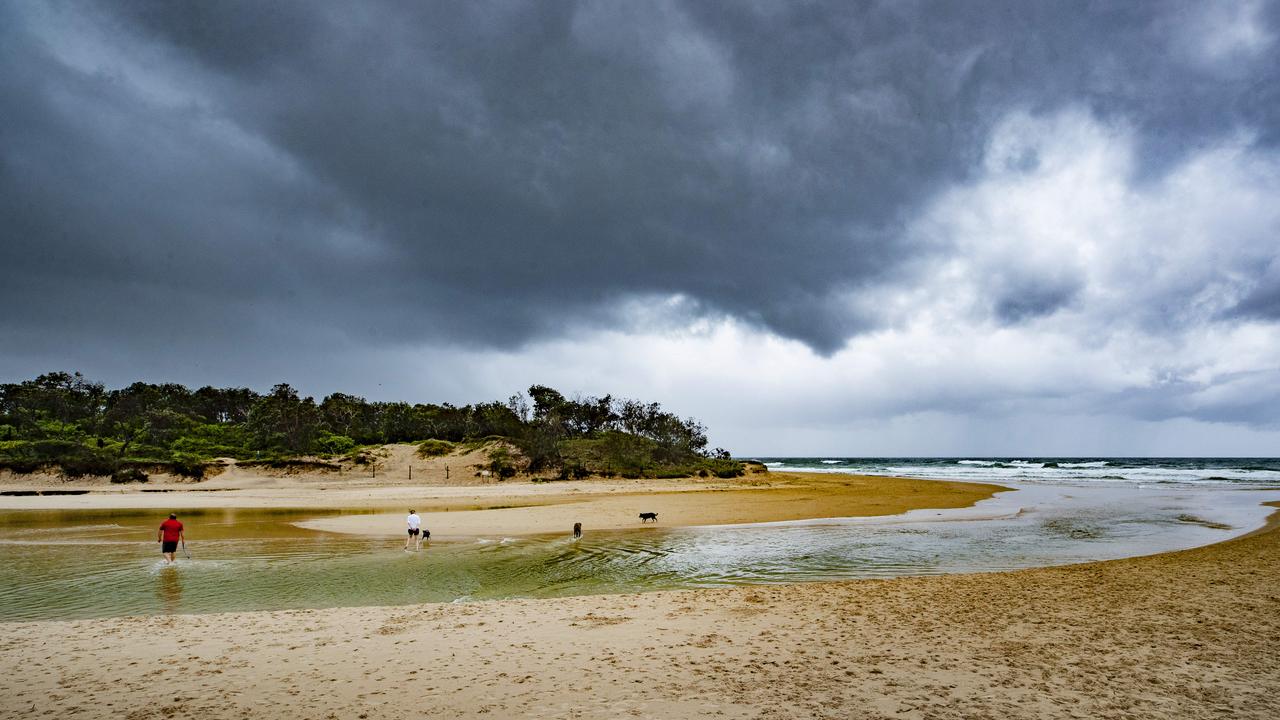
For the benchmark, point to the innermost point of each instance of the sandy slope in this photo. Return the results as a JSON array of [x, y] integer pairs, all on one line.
[[1194, 634]]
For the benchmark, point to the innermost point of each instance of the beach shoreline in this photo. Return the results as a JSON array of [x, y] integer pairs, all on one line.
[[1188, 634]]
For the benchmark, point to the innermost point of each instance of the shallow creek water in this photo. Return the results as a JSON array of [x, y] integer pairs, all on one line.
[[82, 564]]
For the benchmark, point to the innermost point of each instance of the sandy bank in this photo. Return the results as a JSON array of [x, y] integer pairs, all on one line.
[[1193, 634], [518, 508], [794, 496]]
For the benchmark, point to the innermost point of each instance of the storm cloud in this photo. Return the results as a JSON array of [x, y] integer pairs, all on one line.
[[246, 184]]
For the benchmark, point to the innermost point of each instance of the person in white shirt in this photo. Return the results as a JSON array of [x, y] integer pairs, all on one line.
[[415, 524]]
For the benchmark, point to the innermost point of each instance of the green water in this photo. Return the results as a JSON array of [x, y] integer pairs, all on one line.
[[73, 564], [81, 564]]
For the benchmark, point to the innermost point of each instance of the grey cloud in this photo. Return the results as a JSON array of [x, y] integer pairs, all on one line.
[[1246, 398], [490, 174], [1033, 297], [1263, 301]]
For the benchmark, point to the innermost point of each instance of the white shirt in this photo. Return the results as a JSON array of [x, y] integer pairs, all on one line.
[[414, 522]]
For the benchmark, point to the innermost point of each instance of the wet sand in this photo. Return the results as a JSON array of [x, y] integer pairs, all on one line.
[[1193, 634]]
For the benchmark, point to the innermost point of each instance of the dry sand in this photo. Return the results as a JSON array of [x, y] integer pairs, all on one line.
[[1194, 634]]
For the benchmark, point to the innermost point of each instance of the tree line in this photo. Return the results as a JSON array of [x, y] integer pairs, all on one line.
[[84, 428]]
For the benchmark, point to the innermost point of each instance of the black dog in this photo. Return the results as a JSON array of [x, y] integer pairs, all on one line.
[[649, 516], [577, 530]]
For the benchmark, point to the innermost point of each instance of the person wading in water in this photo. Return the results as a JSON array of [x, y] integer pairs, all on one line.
[[415, 523], [169, 534]]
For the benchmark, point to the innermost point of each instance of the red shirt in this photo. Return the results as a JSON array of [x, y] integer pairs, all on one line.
[[171, 529]]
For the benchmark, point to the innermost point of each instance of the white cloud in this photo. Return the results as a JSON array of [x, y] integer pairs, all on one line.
[[1140, 346], [1220, 34]]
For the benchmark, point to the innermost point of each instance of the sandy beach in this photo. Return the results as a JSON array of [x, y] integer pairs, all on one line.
[[1185, 634], [1193, 634]]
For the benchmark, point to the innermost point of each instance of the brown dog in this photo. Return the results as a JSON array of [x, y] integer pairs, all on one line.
[[577, 530]]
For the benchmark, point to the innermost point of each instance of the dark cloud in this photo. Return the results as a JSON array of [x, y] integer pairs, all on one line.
[[1263, 300], [1033, 298], [266, 175]]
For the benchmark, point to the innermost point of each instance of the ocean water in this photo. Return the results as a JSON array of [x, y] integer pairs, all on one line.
[[1072, 471]]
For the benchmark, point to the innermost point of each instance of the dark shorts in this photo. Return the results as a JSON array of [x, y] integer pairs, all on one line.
[[413, 532], [169, 546]]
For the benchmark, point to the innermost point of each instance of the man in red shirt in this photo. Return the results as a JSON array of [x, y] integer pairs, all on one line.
[[168, 535]]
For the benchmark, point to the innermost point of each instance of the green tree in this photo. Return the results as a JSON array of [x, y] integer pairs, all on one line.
[[351, 416], [283, 421]]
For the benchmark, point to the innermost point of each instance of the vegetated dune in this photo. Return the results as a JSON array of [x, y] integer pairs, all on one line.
[[386, 465]]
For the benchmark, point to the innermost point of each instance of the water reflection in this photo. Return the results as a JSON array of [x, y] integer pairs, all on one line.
[[169, 589]]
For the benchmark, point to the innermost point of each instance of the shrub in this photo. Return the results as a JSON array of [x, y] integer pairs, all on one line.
[[188, 467], [22, 466], [56, 449], [574, 471], [128, 475], [726, 468], [82, 465], [331, 444], [16, 449], [500, 462], [434, 448]]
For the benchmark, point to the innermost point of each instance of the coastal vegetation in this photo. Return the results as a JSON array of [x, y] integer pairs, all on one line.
[[65, 422]]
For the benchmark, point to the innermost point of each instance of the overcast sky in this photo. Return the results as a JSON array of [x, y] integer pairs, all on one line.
[[822, 228]]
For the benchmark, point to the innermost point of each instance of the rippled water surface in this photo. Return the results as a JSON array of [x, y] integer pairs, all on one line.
[[78, 564]]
